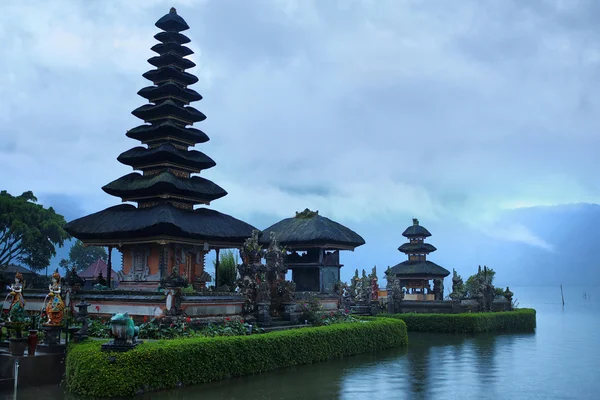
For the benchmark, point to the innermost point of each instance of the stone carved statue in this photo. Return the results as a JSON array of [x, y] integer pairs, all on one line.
[[366, 287], [374, 285], [16, 310], [123, 327], [488, 290], [457, 286], [354, 286], [101, 284], [55, 307], [124, 333], [263, 291], [73, 280], [251, 252], [264, 284], [275, 258], [508, 294]]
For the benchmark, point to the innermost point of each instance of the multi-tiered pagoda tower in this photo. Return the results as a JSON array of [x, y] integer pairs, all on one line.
[[164, 232], [415, 273]]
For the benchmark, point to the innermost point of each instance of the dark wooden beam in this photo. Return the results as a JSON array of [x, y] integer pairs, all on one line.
[[217, 268], [109, 269]]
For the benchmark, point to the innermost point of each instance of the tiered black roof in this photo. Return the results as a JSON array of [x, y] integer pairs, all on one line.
[[308, 228], [166, 190], [142, 158], [167, 134], [126, 222], [420, 267], [416, 230]]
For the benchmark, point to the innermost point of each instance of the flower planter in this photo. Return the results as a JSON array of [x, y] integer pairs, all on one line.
[[17, 346]]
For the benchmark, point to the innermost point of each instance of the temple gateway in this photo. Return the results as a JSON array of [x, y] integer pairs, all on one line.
[[164, 234], [414, 274], [313, 243]]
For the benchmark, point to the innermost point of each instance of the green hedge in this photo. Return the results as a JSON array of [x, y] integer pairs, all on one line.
[[521, 320], [170, 363]]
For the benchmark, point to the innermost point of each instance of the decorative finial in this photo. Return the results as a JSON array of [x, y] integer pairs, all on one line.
[[173, 10], [415, 221]]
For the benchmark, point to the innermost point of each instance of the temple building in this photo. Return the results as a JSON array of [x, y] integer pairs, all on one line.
[[164, 232], [320, 240], [415, 273]]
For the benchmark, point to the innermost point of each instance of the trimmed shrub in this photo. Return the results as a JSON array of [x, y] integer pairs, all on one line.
[[168, 364], [522, 320]]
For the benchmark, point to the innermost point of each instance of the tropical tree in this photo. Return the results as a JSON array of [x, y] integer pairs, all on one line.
[[227, 274], [29, 233], [81, 257], [472, 284]]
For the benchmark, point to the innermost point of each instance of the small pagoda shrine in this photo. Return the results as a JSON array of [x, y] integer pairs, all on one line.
[[164, 234], [415, 274], [320, 240]]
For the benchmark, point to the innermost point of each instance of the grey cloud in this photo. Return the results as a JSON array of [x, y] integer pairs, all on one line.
[[364, 109]]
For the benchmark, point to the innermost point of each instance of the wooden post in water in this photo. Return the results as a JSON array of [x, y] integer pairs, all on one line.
[[562, 295]]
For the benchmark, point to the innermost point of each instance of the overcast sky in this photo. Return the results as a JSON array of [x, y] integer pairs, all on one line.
[[371, 111]]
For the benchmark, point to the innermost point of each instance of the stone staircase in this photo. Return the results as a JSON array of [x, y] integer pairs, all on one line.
[[280, 324], [360, 310]]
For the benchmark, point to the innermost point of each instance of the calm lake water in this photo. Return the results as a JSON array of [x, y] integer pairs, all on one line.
[[560, 361]]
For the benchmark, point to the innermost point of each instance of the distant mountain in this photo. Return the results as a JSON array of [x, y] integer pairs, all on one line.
[[572, 232]]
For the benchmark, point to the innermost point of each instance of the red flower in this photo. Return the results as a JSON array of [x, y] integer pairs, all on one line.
[[189, 319], [242, 321], [172, 325], [145, 319], [227, 319], [97, 308], [323, 317]]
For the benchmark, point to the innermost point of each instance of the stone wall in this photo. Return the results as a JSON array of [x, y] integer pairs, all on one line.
[[152, 304]]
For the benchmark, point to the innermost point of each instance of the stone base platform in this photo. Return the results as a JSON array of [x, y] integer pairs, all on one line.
[[105, 303]]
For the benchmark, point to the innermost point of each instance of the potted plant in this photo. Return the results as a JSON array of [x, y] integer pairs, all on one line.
[[17, 343]]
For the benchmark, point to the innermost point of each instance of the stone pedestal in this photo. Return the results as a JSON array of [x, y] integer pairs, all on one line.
[[263, 317], [375, 308], [391, 307], [51, 335], [82, 316], [456, 308], [51, 343], [120, 345], [289, 312]]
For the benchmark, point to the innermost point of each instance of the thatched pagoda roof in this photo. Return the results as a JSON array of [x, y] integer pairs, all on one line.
[[425, 269], [416, 230], [417, 248], [119, 224], [143, 157], [134, 186], [309, 229]]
